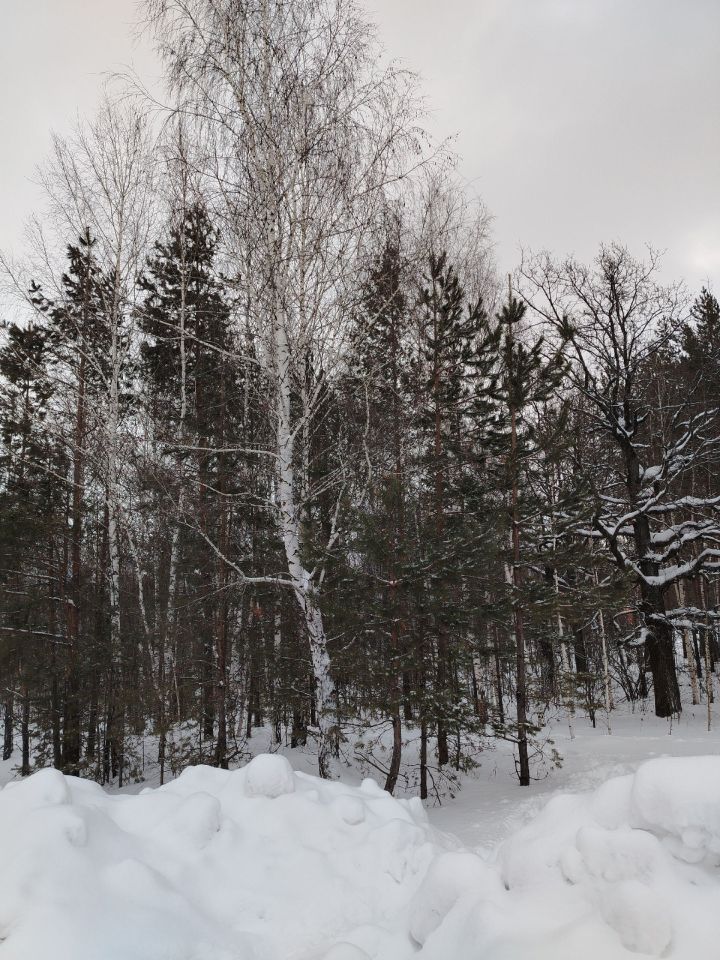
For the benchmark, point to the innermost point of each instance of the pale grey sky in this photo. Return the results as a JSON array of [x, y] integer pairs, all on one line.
[[577, 120]]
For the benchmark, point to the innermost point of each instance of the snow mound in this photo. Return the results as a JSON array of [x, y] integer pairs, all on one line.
[[262, 863], [269, 775], [679, 799]]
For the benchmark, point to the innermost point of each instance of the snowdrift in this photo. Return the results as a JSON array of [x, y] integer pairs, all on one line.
[[262, 863]]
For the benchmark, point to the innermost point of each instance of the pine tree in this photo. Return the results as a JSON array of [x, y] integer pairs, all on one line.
[[78, 343], [195, 398], [455, 355], [701, 339], [379, 401], [527, 379], [30, 494]]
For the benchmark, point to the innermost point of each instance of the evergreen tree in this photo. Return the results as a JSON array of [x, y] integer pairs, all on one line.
[[527, 378], [195, 401], [701, 339], [379, 401], [78, 340], [453, 375], [30, 496]]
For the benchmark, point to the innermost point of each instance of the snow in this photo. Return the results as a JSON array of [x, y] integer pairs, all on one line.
[[666, 799], [451, 876], [264, 863], [491, 806], [269, 775], [256, 863], [651, 474]]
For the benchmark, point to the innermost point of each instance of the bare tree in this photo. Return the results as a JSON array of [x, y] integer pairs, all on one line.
[[617, 318], [304, 135], [99, 184]]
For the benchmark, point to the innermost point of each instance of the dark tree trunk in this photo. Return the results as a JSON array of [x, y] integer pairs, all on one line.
[[55, 718], [661, 660], [393, 772], [498, 681], [221, 744], [696, 650], [25, 734], [72, 732], [249, 713], [423, 760], [91, 743], [208, 693], [395, 691], [583, 668], [521, 669], [642, 684], [659, 639], [581, 657], [8, 724], [407, 696], [521, 701], [71, 721], [298, 735], [547, 666], [54, 685], [660, 653]]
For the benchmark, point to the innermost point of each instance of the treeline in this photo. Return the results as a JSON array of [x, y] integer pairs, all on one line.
[[278, 451]]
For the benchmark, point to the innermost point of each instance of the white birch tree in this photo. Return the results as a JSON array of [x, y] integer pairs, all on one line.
[[304, 134], [99, 184]]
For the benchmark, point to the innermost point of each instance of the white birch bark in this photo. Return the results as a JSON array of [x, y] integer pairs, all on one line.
[[606, 670], [304, 588], [303, 135], [689, 648], [567, 680]]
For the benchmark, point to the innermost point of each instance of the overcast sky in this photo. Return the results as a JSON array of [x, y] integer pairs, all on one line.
[[577, 120]]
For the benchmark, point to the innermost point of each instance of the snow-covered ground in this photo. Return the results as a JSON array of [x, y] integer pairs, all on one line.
[[491, 804], [608, 857]]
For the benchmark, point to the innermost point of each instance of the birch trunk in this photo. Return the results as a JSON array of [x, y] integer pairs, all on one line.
[[606, 669], [304, 590], [567, 676], [689, 651]]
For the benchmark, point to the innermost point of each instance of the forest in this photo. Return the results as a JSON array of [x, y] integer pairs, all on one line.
[[282, 448]]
